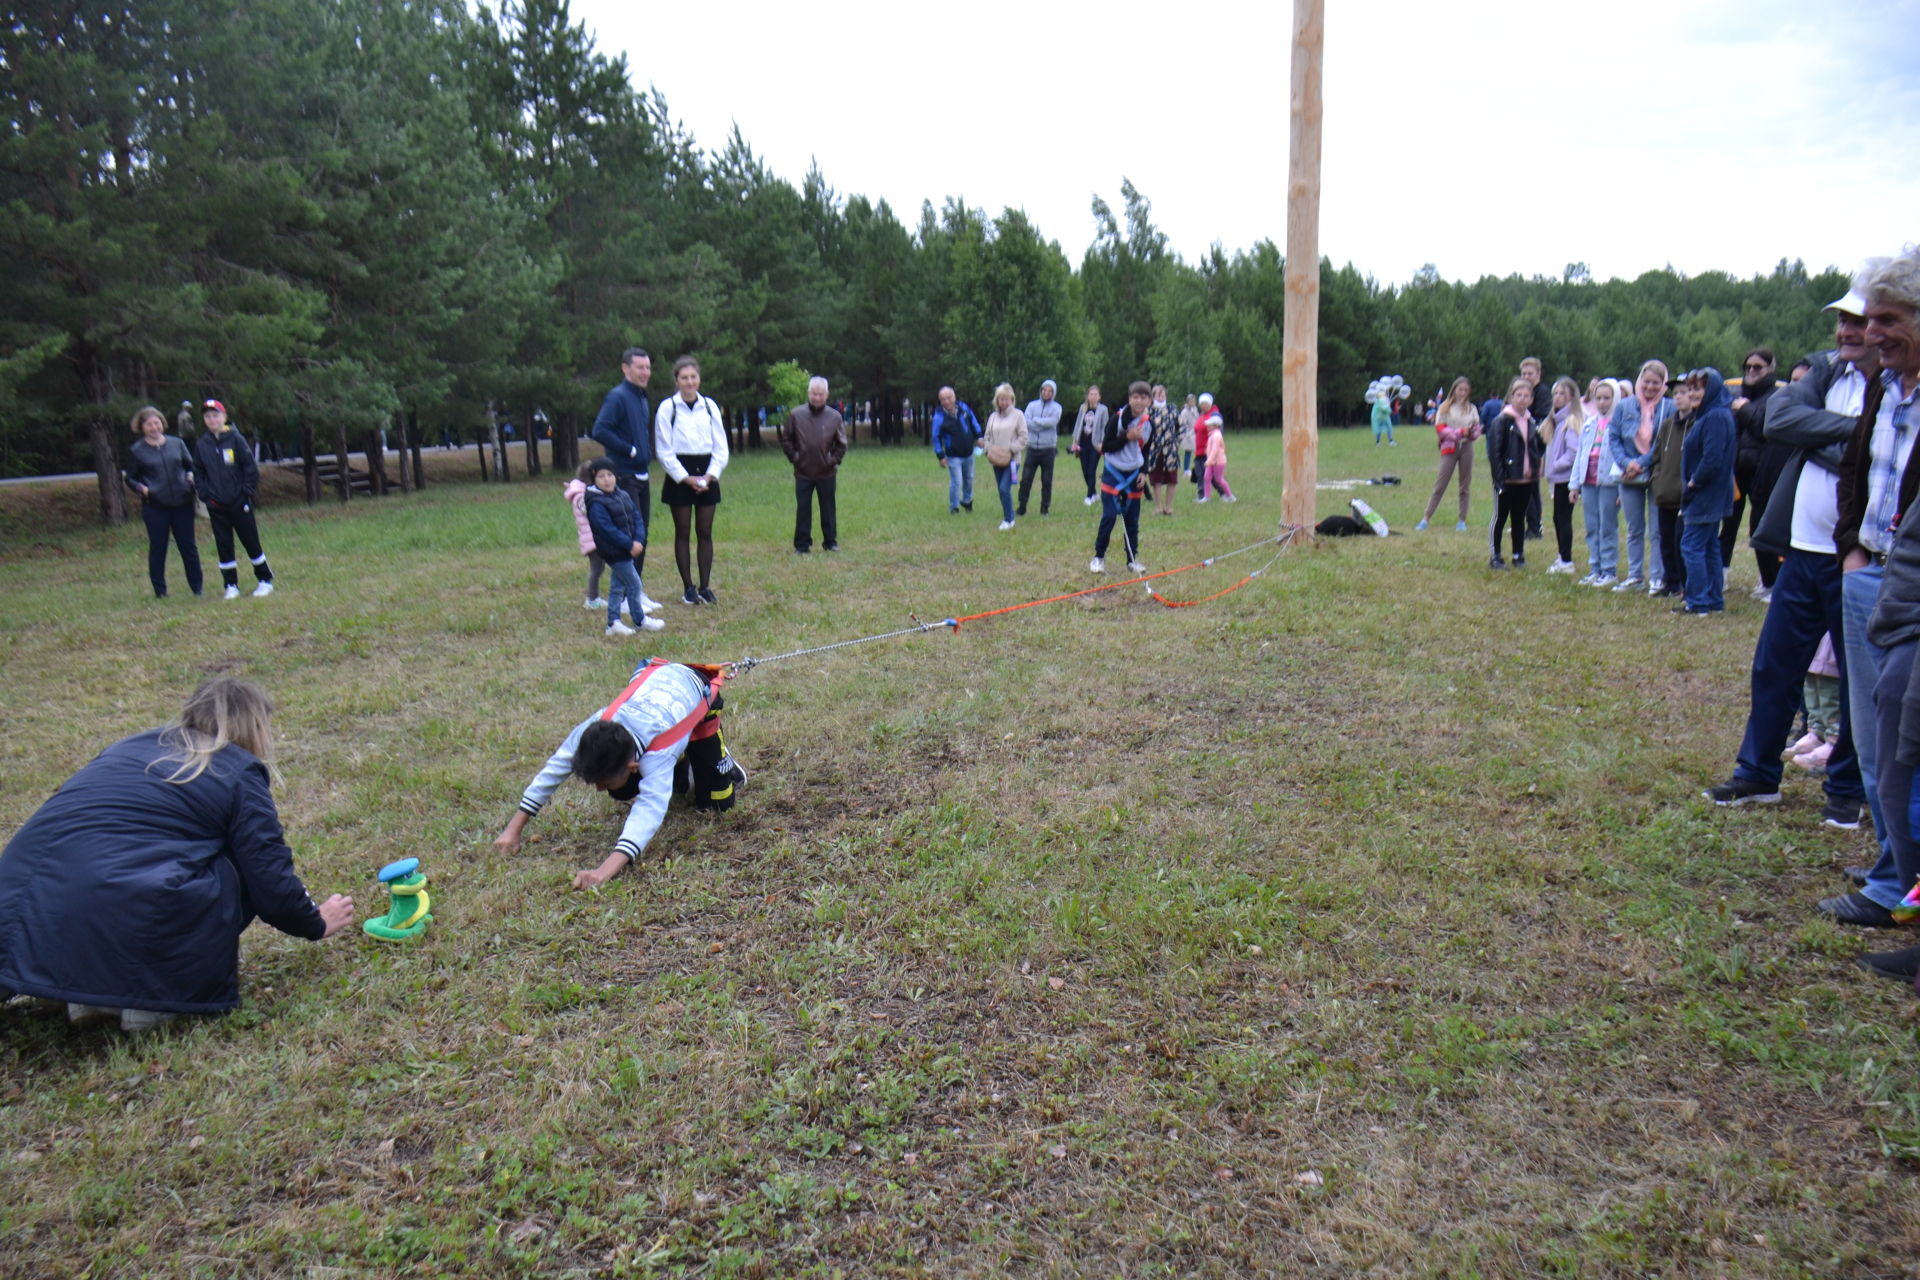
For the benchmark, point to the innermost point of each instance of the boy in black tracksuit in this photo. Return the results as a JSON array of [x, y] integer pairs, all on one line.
[[229, 479]]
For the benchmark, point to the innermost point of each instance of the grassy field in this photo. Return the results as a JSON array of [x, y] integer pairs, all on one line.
[[1367, 920]]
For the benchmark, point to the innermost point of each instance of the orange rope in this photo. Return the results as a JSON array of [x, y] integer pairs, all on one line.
[[1182, 604], [1074, 595]]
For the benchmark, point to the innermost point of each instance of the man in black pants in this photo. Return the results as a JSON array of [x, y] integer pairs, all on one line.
[[229, 482]]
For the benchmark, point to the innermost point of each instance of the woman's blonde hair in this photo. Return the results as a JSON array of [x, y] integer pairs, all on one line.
[[1575, 414], [1004, 389], [144, 412], [224, 711]]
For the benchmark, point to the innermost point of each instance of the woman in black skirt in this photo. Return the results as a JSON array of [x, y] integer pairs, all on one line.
[[690, 441]]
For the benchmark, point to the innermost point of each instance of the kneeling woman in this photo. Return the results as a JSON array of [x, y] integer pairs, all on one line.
[[128, 891], [690, 440]]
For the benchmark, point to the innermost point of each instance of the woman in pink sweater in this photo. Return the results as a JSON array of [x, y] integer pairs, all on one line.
[[1215, 476]]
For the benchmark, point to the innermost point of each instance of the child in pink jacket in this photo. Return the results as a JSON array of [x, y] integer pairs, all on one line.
[[1215, 476], [576, 494]]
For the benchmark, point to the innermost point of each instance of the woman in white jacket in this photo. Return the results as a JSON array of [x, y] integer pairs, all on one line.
[[690, 441]]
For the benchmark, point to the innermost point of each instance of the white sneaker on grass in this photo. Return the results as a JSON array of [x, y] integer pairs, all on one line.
[[1005, 525], [1560, 566], [1136, 566], [231, 593], [264, 589], [1604, 580], [619, 628], [1629, 584], [649, 605], [598, 602], [1096, 565], [651, 624]]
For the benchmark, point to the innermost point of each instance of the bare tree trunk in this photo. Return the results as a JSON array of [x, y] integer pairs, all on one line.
[[568, 431], [113, 491], [499, 445], [482, 447], [404, 455], [376, 464], [533, 445], [413, 434], [309, 466], [345, 478], [1300, 344]]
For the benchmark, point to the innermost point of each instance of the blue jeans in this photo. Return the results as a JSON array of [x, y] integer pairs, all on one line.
[[1806, 605], [1603, 527], [1634, 500], [1003, 481], [1705, 576], [1859, 673], [959, 482], [625, 587], [1896, 779]]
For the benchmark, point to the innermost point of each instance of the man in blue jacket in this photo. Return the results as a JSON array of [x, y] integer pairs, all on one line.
[[624, 428], [1706, 497], [955, 432]]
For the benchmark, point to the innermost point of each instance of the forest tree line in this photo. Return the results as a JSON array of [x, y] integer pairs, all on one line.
[[343, 215]]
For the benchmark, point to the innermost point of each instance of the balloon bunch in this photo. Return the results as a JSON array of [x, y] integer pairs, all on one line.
[[1391, 387]]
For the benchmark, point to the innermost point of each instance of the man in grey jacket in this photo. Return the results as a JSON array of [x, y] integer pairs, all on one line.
[[1043, 444]]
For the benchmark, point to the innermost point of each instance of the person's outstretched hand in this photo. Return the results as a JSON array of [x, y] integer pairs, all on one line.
[[337, 911]]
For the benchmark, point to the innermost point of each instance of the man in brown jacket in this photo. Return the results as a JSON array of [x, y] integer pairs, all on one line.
[[815, 440]]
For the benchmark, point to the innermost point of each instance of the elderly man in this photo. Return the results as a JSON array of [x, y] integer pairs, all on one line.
[[1814, 417], [815, 440], [1043, 445], [624, 428], [1875, 486], [956, 430]]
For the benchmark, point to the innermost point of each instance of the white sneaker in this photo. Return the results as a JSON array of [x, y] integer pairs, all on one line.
[[1096, 565], [1087, 502], [231, 593], [648, 604], [1229, 498], [650, 624], [1560, 566], [1136, 566], [1586, 581], [619, 628], [1655, 586], [264, 589], [1628, 584], [142, 1019], [1764, 595], [1604, 580], [1005, 525], [598, 602], [1199, 499]]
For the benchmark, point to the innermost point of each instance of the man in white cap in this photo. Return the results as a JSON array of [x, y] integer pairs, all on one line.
[[1814, 416], [1043, 445]]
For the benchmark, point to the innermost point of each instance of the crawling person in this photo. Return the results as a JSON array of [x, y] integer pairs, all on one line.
[[661, 736]]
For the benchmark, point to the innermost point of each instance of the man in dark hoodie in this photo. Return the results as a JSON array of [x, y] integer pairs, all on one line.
[[1706, 494], [229, 481]]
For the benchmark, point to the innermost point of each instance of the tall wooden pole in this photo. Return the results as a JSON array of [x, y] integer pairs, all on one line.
[[1300, 361]]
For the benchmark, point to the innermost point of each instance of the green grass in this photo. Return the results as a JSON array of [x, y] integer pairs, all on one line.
[[1365, 920]]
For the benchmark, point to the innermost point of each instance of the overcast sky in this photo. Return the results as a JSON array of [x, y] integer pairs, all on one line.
[[1487, 138]]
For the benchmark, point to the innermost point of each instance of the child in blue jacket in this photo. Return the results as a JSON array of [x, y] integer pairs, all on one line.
[[620, 535]]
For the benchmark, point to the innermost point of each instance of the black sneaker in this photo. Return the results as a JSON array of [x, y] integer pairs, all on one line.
[[968, 506], [1496, 563], [1857, 908], [1901, 966], [1519, 562], [1857, 876], [1844, 814], [707, 596], [690, 596], [1740, 791]]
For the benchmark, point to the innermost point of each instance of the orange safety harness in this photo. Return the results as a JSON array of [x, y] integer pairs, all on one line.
[[701, 722]]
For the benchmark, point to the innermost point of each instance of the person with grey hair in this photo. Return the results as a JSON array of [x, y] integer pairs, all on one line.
[[1043, 446], [814, 438], [1875, 485]]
